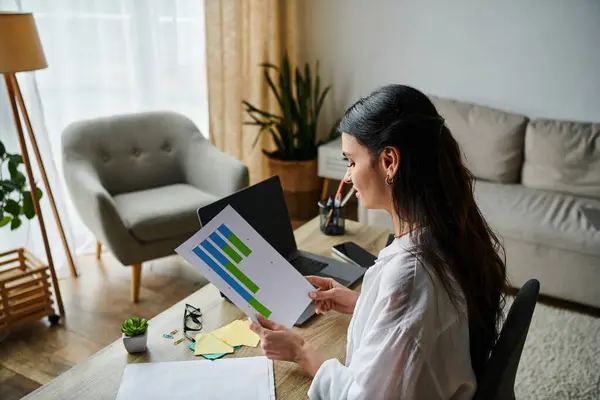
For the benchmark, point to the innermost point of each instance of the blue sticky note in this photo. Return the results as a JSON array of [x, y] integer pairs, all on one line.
[[213, 356], [192, 347]]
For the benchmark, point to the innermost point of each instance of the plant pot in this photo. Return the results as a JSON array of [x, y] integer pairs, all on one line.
[[301, 186], [135, 344]]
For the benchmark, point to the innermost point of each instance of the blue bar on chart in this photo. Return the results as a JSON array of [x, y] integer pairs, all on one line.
[[231, 281], [214, 252], [225, 247], [236, 241], [224, 275], [235, 271]]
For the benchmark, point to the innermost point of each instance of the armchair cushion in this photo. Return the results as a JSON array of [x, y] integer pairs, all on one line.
[[163, 212]]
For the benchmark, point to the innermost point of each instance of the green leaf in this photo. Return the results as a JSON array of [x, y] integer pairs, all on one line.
[[2, 150], [28, 208], [15, 224], [8, 186], [19, 179], [12, 168], [321, 99], [273, 88], [269, 66], [259, 134], [250, 109], [16, 159], [277, 140], [5, 220], [317, 89], [302, 111], [39, 193], [12, 207], [307, 90], [1, 195]]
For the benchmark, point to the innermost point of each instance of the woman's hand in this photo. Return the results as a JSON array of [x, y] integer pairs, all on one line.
[[280, 343], [332, 295]]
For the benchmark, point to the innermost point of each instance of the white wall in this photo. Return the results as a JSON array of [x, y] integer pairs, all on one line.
[[537, 57]]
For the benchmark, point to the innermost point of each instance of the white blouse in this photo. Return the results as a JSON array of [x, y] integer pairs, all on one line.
[[406, 340]]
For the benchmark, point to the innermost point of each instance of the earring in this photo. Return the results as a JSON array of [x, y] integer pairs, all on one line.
[[388, 180]]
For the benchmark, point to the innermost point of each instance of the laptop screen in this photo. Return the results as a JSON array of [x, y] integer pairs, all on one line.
[[263, 206]]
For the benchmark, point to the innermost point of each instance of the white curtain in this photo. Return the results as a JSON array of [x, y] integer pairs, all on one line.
[[105, 57]]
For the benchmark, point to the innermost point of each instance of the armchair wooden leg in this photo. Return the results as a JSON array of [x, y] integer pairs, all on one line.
[[98, 250], [136, 278]]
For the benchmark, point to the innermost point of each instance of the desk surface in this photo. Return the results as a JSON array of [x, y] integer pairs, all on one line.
[[99, 377]]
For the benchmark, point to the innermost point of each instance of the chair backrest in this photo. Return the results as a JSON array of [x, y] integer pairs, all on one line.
[[131, 152], [498, 378]]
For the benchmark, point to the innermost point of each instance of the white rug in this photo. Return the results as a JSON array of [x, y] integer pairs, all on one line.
[[561, 358]]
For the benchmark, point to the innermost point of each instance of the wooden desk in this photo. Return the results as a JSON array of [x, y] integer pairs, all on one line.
[[99, 377]]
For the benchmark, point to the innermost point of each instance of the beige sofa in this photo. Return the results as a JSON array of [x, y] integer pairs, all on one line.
[[533, 177]]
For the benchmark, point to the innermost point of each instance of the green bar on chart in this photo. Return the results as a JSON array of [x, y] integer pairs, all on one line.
[[232, 253], [241, 277], [242, 248], [264, 311]]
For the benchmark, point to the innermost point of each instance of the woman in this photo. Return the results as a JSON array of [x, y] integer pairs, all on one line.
[[426, 318]]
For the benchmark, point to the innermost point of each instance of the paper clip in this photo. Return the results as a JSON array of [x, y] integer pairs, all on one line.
[[178, 341], [174, 331], [167, 336]]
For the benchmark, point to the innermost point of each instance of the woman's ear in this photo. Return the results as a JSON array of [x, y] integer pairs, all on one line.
[[390, 161]]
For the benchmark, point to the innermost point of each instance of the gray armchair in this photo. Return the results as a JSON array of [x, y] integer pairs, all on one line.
[[137, 180]]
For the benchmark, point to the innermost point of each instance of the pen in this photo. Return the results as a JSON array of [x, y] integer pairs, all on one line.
[[350, 193]]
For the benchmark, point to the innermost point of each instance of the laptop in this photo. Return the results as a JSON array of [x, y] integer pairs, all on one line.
[[263, 206]]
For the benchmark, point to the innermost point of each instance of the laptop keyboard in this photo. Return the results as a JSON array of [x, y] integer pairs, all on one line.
[[307, 266]]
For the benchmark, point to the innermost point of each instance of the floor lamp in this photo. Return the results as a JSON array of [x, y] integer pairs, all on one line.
[[21, 50]]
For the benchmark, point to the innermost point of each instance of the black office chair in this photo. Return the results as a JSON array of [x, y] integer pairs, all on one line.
[[497, 381]]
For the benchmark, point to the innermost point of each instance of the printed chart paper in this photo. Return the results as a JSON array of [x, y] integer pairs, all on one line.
[[247, 269]]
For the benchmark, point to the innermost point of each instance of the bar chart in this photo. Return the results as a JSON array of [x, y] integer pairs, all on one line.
[[237, 251], [236, 259]]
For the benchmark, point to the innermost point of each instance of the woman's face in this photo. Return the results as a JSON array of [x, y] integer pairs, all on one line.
[[366, 175]]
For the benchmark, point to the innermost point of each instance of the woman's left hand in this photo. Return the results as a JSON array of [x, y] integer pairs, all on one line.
[[280, 343]]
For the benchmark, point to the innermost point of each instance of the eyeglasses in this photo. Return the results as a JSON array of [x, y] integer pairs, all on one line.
[[192, 321]]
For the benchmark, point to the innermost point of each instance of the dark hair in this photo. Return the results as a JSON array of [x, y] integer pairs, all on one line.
[[434, 189]]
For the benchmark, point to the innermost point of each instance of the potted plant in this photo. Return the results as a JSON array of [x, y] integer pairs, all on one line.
[[293, 129], [15, 196], [16, 202], [135, 334]]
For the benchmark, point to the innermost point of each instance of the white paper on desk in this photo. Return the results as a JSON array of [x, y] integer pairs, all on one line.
[[271, 280], [248, 378]]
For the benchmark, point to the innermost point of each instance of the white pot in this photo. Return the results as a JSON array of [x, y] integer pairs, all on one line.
[[135, 344]]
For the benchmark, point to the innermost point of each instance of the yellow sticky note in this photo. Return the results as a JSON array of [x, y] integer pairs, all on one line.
[[237, 333], [208, 344]]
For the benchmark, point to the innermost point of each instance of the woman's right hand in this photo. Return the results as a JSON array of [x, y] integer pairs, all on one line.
[[332, 295]]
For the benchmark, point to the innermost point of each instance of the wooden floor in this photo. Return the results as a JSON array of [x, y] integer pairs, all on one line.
[[96, 304]]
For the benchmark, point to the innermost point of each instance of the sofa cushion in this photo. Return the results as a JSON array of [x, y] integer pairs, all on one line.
[[538, 216], [162, 212], [563, 156], [491, 140]]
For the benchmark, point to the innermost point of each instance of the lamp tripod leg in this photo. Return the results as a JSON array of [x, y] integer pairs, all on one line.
[[10, 78], [38, 157]]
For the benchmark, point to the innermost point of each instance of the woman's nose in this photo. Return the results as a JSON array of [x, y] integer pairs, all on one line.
[[347, 177]]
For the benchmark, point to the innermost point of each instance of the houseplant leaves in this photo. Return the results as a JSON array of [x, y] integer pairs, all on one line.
[[15, 195]]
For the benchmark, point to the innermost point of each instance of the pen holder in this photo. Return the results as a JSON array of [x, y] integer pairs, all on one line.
[[331, 219]]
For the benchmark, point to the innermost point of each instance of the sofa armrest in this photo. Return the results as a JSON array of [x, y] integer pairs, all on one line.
[[211, 170], [95, 205]]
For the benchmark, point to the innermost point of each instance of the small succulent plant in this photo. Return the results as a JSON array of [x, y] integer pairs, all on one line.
[[134, 326]]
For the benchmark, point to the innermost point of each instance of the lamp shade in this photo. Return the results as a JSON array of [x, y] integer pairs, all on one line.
[[20, 46]]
